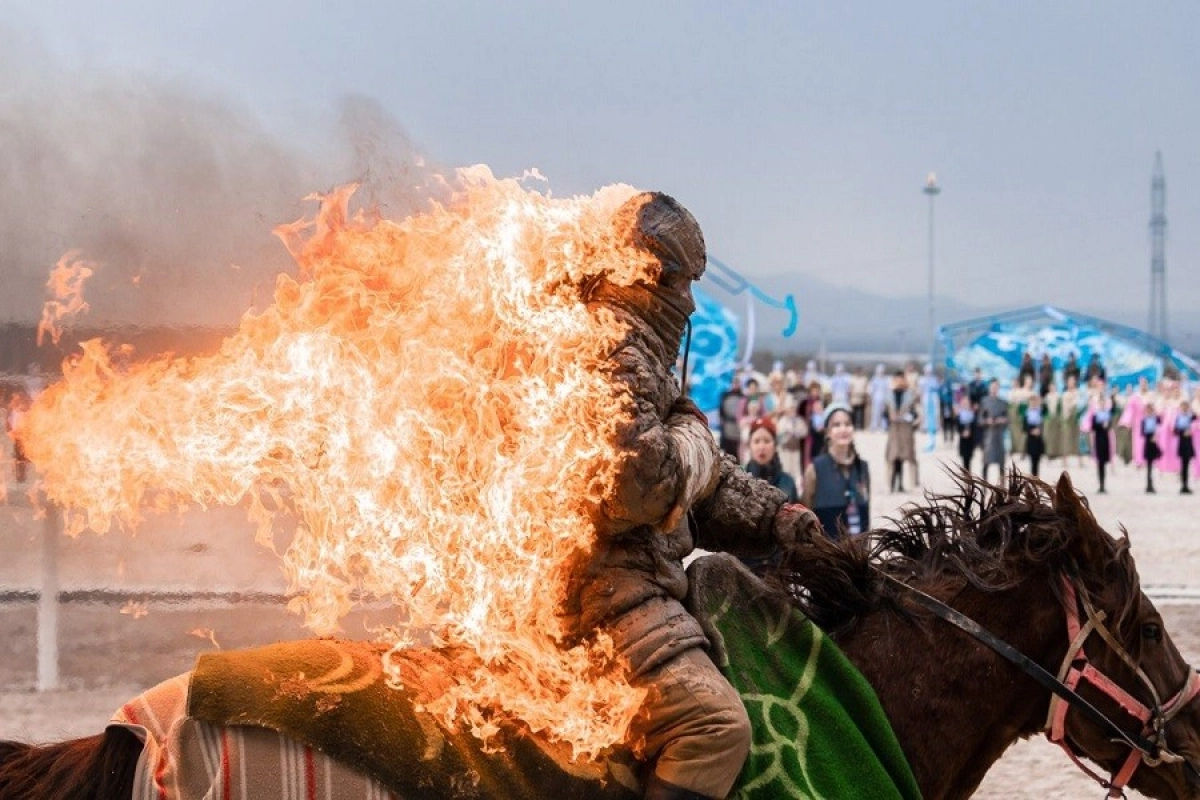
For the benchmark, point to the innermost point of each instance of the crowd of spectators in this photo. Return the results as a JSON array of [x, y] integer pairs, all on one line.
[[1068, 415]]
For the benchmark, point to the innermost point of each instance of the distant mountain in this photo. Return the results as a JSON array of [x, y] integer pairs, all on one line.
[[848, 320]]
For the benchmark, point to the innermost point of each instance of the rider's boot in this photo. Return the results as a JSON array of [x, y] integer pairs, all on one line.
[[658, 789]]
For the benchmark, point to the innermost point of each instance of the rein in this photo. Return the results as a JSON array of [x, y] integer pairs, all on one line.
[[1149, 746]]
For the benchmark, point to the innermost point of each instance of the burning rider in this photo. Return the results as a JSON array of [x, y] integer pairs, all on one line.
[[676, 491]]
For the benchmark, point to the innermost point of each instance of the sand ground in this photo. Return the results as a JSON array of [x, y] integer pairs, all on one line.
[[114, 643]]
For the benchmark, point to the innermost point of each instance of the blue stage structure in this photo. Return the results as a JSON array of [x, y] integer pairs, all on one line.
[[996, 343], [716, 332]]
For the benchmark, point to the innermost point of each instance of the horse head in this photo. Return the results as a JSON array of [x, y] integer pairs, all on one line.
[[1121, 659]]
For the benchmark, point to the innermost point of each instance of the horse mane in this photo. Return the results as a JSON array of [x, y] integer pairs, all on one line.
[[992, 536]]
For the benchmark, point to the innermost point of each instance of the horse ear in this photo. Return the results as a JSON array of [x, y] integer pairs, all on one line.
[[1064, 489], [1088, 543]]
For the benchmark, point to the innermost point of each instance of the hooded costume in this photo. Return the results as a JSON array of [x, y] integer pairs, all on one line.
[[675, 491]]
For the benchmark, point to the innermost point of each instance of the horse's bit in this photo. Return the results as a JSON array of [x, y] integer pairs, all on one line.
[[1149, 746]]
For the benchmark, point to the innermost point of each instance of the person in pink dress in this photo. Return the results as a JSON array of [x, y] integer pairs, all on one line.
[[1131, 418], [1168, 441]]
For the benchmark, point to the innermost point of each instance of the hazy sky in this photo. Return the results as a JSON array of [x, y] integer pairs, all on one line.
[[800, 134]]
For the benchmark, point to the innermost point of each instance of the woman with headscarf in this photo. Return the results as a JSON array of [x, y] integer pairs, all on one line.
[[764, 460], [837, 485]]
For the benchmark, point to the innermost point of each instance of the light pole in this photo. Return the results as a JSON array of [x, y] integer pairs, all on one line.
[[932, 190]]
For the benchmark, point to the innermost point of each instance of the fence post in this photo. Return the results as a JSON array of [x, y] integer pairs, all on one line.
[[47, 621]]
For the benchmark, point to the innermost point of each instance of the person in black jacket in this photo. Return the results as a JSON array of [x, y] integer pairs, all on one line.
[[1150, 449], [1035, 440], [1187, 449], [968, 430], [837, 484]]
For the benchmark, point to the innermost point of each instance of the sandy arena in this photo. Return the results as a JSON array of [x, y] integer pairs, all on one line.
[[228, 592]]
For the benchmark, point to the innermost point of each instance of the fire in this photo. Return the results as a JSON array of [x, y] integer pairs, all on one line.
[[66, 295], [429, 400]]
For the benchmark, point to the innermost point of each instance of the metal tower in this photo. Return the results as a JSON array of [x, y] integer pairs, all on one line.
[[1158, 250]]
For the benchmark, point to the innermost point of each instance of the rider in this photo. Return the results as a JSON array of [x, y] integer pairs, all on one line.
[[675, 491]]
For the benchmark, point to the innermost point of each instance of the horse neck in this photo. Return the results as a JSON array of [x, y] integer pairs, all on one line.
[[954, 704]]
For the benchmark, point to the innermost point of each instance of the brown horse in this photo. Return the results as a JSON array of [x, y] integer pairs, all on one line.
[[1026, 562]]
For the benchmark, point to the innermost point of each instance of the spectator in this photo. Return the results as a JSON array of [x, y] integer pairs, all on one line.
[[1052, 423], [1045, 376], [993, 419], [764, 460], [1027, 369], [1071, 369], [1149, 437], [1018, 401], [1132, 415], [1098, 421], [879, 387], [837, 485], [1034, 425], [791, 431], [729, 410], [1184, 420], [1168, 444], [928, 388], [778, 398], [968, 431], [901, 415], [977, 389], [753, 406], [814, 415], [839, 386], [1124, 435], [1072, 404], [812, 375], [858, 397], [947, 405]]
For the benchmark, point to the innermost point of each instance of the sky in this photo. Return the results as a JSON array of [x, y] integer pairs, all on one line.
[[799, 134]]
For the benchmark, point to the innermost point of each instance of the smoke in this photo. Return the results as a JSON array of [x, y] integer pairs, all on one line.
[[173, 193]]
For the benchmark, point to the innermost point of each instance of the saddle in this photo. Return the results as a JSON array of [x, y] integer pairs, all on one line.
[[818, 727]]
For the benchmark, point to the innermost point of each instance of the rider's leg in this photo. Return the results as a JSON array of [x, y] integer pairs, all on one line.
[[695, 727]]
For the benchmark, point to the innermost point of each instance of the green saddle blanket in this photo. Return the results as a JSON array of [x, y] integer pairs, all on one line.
[[819, 730]]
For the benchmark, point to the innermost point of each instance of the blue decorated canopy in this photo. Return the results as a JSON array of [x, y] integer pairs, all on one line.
[[712, 357], [996, 344]]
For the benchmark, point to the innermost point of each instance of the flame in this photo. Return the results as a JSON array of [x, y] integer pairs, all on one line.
[[66, 290], [429, 399]]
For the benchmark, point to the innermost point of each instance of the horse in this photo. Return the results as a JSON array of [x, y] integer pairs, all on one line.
[[1052, 634]]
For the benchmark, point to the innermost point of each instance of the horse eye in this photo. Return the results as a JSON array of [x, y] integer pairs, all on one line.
[[1152, 631]]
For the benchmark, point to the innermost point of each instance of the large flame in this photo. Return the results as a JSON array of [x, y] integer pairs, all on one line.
[[430, 400]]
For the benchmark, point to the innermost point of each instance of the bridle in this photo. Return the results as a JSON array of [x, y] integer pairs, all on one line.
[[1076, 667], [1149, 746]]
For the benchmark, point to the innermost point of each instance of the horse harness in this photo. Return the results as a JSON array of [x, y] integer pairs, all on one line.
[[1149, 746]]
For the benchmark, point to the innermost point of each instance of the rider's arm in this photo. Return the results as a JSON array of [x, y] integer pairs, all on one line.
[[746, 515]]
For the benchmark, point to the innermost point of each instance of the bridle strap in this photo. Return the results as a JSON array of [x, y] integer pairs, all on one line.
[[1076, 667], [1030, 667]]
